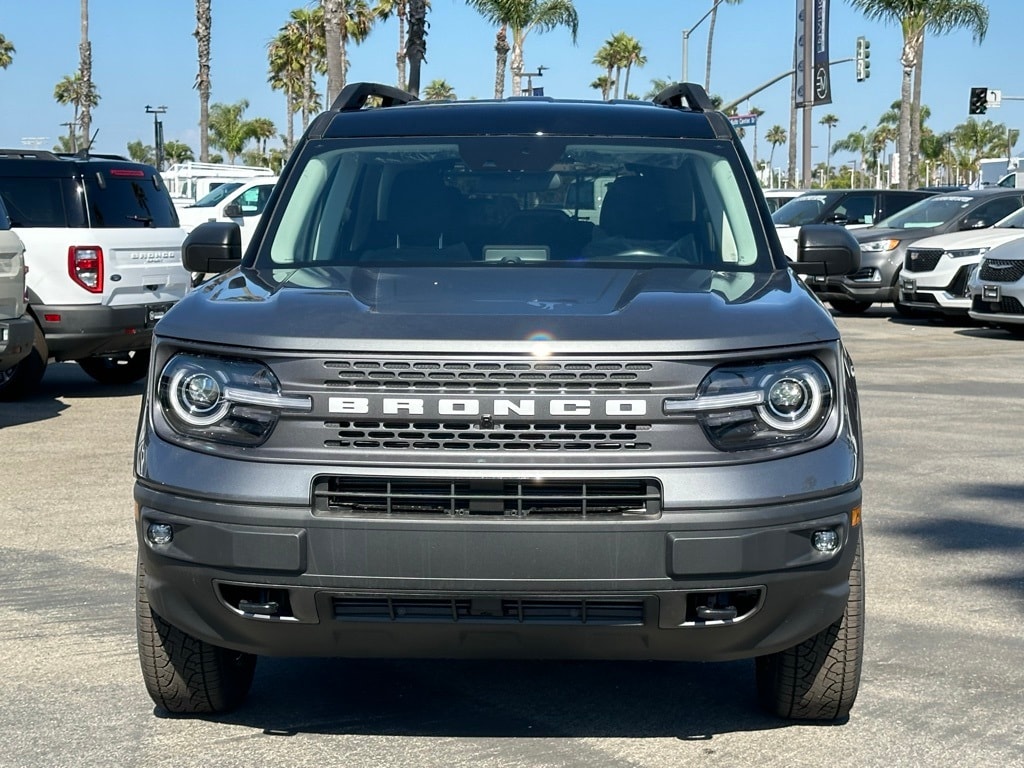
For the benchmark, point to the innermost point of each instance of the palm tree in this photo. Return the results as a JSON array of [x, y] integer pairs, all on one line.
[[916, 17], [604, 85], [304, 37], [606, 58], [658, 84], [776, 135], [85, 68], [335, 16], [522, 17], [141, 153], [711, 37], [632, 54], [286, 74], [262, 129], [830, 121], [439, 90], [976, 140], [73, 90], [177, 152], [7, 52], [204, 24], [228, 129], [416, 44], [399, 8], [857, 141], [757, 116]]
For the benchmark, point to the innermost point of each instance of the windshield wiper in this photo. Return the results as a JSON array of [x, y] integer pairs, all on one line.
[[147, 220]]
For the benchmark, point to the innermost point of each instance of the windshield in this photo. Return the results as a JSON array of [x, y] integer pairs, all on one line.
[[930, 212], [807, 209], [217, 194], [505, 201]]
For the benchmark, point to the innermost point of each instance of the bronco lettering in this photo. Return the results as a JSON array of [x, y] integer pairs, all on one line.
[[413, 406]]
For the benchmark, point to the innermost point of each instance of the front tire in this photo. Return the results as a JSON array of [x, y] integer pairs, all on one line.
[[125, 368], [818, 679], [183, 674], [24, 376]]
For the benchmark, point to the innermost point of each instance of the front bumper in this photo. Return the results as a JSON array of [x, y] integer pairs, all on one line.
[[16, 337], [74, 331], [874, 282], [284, 580]]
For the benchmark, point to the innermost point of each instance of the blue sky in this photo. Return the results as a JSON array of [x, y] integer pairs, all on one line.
[[144, 53]]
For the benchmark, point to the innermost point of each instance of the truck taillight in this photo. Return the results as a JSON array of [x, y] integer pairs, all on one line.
[[85, 266]]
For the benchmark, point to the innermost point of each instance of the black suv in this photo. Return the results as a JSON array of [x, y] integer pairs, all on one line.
[[438, 411], [884, 246]]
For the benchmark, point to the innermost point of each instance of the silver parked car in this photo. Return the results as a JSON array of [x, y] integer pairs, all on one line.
[[997, 288]]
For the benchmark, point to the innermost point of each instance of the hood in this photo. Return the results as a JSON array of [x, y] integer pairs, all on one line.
[[973, 238], [451, 309]]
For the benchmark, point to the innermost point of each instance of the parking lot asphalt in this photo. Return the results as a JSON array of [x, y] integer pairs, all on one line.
[[943, 412]]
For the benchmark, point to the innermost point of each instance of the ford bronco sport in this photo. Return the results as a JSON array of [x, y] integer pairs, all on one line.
[[433, 413], [103, 250]]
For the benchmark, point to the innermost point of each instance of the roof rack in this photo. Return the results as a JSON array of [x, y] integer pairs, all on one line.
[[690, 95], [353, 97], [35, 154]]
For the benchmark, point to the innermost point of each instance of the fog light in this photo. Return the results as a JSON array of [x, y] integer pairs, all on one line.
[[159, 533], [825, 541]]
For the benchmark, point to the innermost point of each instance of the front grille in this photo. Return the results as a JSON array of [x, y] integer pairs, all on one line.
[[415, 497], [1001, 270], [488, 376], [923, 260], [491, 610], [464, 436], [1008, 305]]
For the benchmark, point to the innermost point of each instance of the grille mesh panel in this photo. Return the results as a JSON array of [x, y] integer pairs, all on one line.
[[425, 497], [922, 261], [1001, 270], [1008, 305]]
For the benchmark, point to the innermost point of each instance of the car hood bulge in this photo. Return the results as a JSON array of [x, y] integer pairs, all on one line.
[[447, 309]]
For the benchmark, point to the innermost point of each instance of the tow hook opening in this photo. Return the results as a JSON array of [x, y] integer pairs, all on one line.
[[704, 608], [257, 602]]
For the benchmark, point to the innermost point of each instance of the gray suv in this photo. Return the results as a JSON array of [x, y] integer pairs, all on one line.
[[884, 246], [438, 411]]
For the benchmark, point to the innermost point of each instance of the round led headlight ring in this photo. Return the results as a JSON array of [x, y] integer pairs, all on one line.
[[197, 398], [792, 401]]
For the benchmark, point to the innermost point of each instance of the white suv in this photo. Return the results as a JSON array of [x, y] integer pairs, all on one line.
[[103, 254], [936, 270], [997, 288]]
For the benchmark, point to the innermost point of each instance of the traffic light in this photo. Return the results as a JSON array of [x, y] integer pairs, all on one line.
[[863, 59], [979, 101]]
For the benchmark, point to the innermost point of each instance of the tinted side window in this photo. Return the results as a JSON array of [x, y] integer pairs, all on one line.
[[40, 202], [117, 200], [894, 202], [857, 208], [994, 210], [5, 222]]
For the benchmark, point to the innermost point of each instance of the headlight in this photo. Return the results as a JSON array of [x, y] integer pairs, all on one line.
[[222, 400], [878, 246], [756, 406], [967, 252]]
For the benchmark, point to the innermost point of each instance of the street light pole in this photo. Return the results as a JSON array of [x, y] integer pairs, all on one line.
[[686, 38], [158, 133], [529, 78]]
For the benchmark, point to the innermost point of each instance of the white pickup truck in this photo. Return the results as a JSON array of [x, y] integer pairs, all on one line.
[[242, 203]]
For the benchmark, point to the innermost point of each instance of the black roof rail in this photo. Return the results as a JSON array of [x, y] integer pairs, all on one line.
[[353, 97], [35, 154], [689, 95]]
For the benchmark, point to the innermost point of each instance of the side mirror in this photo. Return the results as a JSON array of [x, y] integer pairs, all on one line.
[[233, 211], [838, 218], [213, 247], [824, 249]]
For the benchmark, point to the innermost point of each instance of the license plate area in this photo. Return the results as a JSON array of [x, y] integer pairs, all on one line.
[[991, 292]]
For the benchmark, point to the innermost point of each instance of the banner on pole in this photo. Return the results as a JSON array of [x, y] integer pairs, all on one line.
[[820, 91]]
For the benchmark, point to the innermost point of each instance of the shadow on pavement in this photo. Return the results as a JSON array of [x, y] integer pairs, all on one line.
[[61, 381]]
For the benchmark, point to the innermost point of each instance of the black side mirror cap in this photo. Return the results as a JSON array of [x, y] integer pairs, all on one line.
[[233, 211], [213, 247], [825, 249]]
